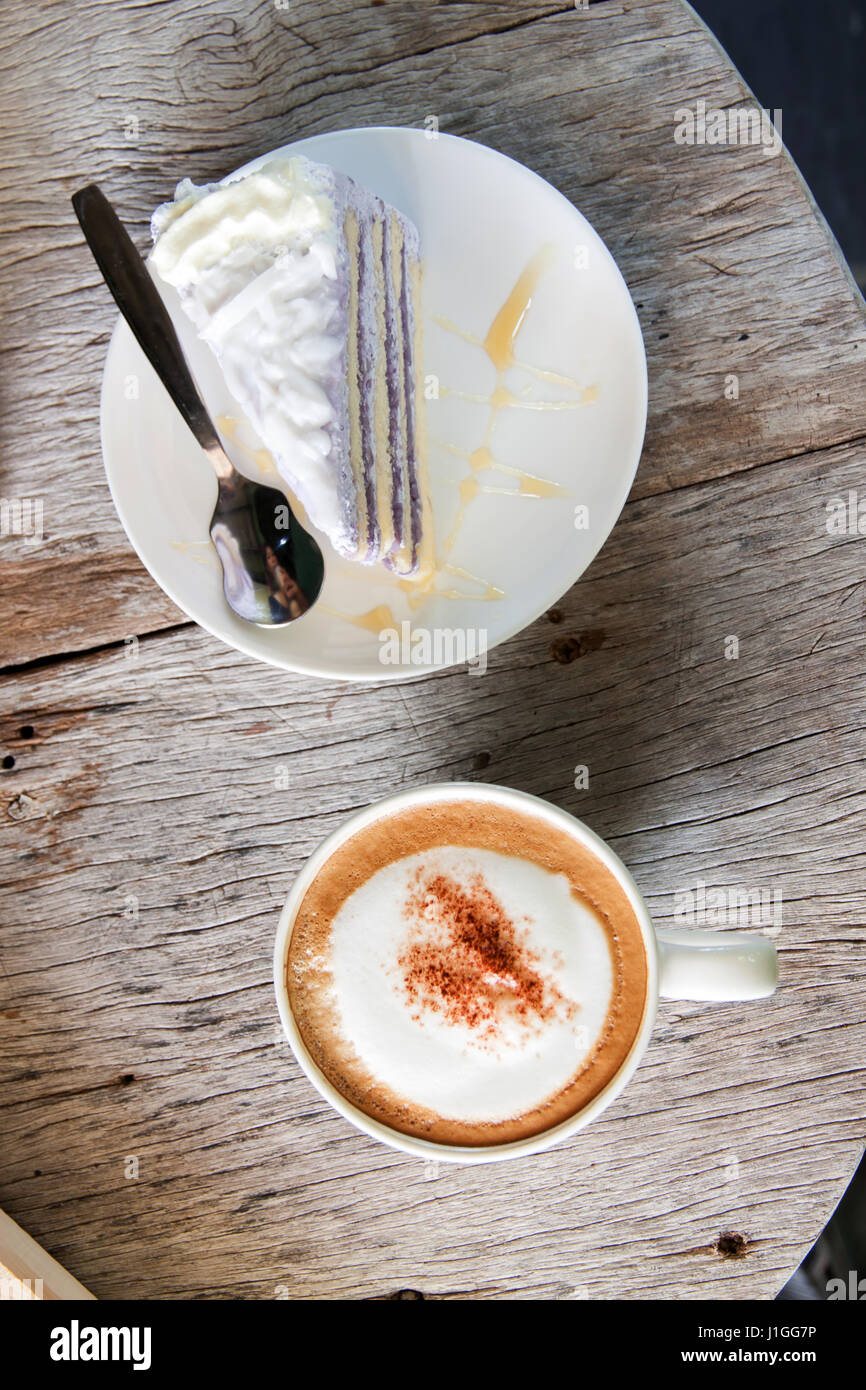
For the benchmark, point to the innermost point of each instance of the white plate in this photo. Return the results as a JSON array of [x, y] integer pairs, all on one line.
[[482, 219]]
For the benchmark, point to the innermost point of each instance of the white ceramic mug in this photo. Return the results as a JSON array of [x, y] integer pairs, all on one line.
[[681, 964]]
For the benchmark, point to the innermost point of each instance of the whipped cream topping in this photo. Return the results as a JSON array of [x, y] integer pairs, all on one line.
[[257, 264], [473, 983]]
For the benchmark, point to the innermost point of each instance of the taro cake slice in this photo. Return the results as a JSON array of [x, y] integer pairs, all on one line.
[[306, 286]]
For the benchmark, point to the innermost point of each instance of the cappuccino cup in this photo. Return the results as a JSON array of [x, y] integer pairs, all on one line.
[[470, 974]]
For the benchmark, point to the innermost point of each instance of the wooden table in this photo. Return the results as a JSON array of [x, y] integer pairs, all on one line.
[[155, 1133]]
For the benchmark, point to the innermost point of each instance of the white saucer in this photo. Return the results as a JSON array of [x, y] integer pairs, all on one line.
[[482, 219]]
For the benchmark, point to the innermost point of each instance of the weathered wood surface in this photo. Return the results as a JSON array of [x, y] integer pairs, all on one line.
[[715, 243], [147, 843]]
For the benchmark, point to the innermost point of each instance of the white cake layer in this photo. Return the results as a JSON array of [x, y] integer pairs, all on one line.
[[461, 1072]]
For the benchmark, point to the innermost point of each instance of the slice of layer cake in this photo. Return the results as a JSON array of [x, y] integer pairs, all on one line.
[[305, 285]]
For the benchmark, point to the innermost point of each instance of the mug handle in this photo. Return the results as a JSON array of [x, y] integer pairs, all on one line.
[[716, 965]]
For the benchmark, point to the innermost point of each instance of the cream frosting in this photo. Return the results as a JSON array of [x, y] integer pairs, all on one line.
[[256, 261]]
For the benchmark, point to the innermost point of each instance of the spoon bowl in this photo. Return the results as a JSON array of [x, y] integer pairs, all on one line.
[[272, 568]]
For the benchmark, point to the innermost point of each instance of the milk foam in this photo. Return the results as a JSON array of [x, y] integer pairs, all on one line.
[[459, 1071]]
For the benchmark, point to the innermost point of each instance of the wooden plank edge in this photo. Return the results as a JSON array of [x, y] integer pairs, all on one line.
[[29, 1272]]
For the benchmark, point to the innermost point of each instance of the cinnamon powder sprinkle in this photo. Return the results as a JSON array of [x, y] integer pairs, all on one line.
[[468, 961]]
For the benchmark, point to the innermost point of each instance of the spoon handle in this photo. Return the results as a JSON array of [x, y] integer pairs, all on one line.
[[140, 303]]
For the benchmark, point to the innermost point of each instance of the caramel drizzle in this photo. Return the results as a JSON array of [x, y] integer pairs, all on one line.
[[377, 619], [498, 345], [262, 458]]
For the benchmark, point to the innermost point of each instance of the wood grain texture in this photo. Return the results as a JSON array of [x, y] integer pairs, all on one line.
[[151, 846], [163, 795], [731, 271]]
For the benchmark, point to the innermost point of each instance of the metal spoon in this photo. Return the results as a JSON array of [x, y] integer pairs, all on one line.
[[272, 568]]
